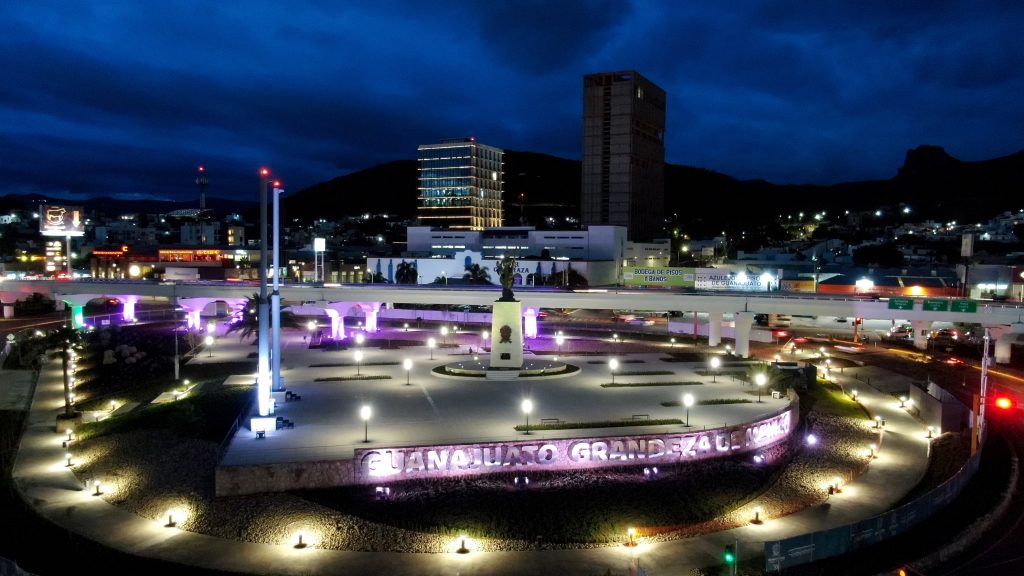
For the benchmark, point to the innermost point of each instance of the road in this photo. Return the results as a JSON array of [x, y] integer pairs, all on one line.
[[1001, 550]]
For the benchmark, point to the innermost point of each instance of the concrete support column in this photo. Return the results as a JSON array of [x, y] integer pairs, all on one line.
[[128, 313], [714, 328], [336, 310], [77, 316], [1004, 341], [335, 318], [921, 330], [371, 309], [743, 321], [530, 323]]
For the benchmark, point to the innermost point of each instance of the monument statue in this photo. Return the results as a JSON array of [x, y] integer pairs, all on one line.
[[506, 269]]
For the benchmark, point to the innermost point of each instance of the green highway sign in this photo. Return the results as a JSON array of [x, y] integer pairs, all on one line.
[[968, 306], [901, 303], [935, 305]]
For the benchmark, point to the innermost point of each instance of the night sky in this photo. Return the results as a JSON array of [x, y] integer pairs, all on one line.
[[126, 98]]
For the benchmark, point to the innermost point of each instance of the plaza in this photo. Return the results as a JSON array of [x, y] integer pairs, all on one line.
[[443, 409]]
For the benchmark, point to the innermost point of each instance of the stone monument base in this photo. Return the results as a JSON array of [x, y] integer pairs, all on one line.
[[506, 334]]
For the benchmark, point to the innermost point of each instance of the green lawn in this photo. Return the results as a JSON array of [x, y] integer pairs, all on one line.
[[826, 398]]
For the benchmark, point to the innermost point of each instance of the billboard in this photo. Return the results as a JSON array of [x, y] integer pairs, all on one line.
[[967, 245], [699, 278], [659, 277], [55, 220]]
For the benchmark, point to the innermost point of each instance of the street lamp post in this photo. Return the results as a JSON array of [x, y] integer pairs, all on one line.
[[407, 364], [209, 345], [760, 379], [275, 295], [444, 334], [715, 363], [359, 359], [430, 344], [687, 402], [613, 365], [559, 340], [483, 339], [527, 407], [263, 376], [364, 413], [177, 358]]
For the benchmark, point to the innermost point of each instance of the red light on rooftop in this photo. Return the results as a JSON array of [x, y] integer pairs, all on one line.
[[277, 183], [1004, 403], [202, 168], [264, 171]]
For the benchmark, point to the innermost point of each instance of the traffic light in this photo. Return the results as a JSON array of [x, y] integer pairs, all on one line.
[[1004, 402], [729, 555]]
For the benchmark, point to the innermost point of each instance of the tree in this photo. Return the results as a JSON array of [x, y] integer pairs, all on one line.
[[248, 323], [569, 278], [475, 274], [65, 340], [406, 273]]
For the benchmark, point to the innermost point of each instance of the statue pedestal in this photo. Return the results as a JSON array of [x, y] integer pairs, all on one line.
[[507, 335]]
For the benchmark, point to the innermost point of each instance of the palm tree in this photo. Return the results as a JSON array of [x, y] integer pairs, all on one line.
[[406, 273], [248, 323], [65, 339], [475, 274]]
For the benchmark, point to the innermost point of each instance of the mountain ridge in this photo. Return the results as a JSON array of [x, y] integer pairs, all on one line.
[[932, 181]]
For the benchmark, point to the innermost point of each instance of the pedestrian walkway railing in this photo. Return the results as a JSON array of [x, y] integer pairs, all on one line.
[[5, 353], [246, 410], [780, 554]]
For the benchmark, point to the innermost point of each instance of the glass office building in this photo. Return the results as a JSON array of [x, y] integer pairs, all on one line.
[[460, 185]]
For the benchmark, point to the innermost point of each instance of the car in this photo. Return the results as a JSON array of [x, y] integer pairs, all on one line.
[[944, 334], [954, 361], [901, 331]]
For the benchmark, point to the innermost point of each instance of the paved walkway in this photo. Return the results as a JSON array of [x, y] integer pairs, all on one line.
[[45, 481]]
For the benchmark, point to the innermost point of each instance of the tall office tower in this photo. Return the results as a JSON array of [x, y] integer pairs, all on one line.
[[623, 153], [460, 185]]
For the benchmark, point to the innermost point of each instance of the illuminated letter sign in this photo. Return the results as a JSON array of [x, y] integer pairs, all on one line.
[[569, 454]]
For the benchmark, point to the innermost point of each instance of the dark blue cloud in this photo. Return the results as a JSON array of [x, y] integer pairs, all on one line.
[[127, 98]]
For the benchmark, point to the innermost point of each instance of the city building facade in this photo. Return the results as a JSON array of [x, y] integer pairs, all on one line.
[[623, 153], [460, 185]]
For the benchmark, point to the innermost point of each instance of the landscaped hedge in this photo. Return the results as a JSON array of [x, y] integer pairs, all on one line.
[[639, 384], [352, 365], [347, 378], [598, 424], [708, 402]]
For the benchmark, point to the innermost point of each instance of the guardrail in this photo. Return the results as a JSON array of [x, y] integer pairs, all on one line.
[[780, 554]]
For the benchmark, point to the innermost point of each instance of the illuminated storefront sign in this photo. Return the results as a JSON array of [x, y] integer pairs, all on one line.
[[699, 278], [190, 255], [659, 276], [61, 220], [569, 454]]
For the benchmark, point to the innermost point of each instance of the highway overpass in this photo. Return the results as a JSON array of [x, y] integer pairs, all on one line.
[[1004, 319]]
